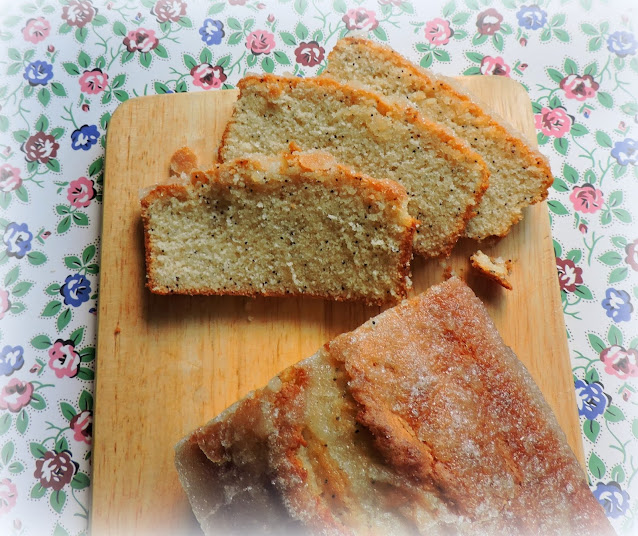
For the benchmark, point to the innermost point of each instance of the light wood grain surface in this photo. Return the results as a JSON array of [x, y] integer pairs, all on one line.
[[166, 364]]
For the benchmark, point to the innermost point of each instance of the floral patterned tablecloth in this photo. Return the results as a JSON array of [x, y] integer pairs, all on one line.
[[67, 64]]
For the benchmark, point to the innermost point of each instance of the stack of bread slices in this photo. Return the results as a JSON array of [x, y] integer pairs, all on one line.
[[326, 186]]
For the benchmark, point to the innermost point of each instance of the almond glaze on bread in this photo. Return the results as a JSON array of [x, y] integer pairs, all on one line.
[[295, 224], [444, 178], [420, 422], [519, 175]]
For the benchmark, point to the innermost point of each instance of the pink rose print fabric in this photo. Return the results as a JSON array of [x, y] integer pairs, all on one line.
[[554, 122], [438, 32], [495, 66], [207, 76], [82, 426], [9, 178], [63, 359], [587, 199], [80, 193], [36, 30], [140, 40], [5, 304], [360, 19], [93, 82], [620, 362], [15, 395], [8, 495], [260, 42], [579, 88]]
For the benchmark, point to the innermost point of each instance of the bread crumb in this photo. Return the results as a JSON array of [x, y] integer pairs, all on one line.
[[497, 269], [184, 160]]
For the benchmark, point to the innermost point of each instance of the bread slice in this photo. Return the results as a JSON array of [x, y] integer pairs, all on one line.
[[496, 269], [519, 175], [421, 421], [442, 176], [296, 224]]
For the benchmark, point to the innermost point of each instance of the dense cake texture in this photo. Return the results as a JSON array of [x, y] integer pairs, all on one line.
[[519, 175], [443, 177], [296, 224], [421, 421], [497, 269]]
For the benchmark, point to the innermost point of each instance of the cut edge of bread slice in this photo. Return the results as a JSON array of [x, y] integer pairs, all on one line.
[[383, 201], [456, 151], [489, 121]]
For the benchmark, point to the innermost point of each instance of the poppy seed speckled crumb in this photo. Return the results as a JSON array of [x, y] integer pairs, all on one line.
[[295, 224], [519, 174], [443, 177]]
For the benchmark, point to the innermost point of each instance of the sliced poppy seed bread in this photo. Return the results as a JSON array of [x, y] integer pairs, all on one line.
[[294, 224], [444, 178], [519, 175]]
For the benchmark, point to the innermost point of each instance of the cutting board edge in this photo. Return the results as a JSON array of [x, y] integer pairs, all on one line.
[[118, 117]]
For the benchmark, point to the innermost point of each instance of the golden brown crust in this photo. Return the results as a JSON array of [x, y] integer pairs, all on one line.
[[352, 96], [487, 118]]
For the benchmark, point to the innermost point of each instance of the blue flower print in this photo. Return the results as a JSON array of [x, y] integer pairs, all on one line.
[[625, 152], [11, 359], [76, 290], [622, 44], [38, 73], [17, 238], [591, 399], [618, 305], [612, 498], [212, 31], [85, 137], [532, 17]]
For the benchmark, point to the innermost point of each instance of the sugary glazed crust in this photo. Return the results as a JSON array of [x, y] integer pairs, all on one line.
[[276, 85], [471, 423], [481, 111], [451, 411], [312, 162], [266, 461]]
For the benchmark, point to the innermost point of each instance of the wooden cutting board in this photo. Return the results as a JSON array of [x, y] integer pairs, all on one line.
[[167, 364]]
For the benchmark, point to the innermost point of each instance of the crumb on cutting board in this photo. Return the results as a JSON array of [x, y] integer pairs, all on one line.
[[184, 160], [448, 271], [497, 269]]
